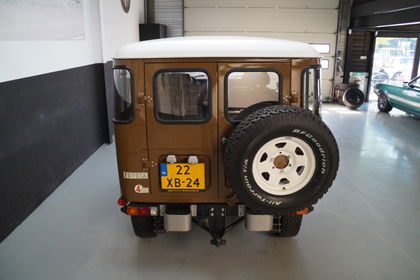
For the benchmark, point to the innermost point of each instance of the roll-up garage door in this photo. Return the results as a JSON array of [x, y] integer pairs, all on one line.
[[169, 13], [310, 21]]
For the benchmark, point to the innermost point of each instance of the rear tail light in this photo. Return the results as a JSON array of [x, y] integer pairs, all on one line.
[[121, 201], [138, 210]]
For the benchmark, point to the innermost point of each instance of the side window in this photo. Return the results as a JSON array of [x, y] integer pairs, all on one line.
[[182, 96], [247, 91], [123, 88], [311, 88]]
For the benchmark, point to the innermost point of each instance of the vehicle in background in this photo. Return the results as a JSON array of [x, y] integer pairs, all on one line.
[[379, 77], [399, 69], [403, 96]]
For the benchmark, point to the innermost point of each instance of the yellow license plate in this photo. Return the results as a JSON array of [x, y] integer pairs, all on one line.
[[182, 176]]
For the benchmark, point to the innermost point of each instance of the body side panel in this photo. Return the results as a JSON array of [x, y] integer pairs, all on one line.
[[403, 98]]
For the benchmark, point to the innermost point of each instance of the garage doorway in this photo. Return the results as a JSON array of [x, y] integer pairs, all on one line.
[[393, 61]]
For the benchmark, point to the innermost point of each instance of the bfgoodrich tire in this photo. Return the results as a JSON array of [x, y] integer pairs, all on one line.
[[286, 225], [143, 226], [281, 159]]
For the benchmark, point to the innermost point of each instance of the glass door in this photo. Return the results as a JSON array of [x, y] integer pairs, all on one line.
[[393, 61]]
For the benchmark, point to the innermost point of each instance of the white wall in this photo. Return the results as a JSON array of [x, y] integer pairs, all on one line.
[[107, 28], [117, 27], [20, 59]]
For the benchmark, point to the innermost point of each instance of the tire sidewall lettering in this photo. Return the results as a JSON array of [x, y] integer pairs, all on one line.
[[252, 190], [265, 125], [271, 200], [321, 150]]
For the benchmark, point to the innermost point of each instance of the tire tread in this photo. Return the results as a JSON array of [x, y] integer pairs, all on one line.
[[286, 225], [388, 106], [143, 226], [290, 115]]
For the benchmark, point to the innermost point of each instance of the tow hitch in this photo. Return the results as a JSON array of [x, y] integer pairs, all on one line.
[[215, 223]]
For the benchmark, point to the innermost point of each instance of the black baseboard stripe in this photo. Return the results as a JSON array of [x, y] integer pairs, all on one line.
[[50, 124]]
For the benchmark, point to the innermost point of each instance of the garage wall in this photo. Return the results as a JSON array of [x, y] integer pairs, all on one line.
[[117, 29], [310, 21], [30, 58], [53, 107]]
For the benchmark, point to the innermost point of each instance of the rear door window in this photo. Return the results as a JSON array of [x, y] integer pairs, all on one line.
[[245, 90], [182, 96]]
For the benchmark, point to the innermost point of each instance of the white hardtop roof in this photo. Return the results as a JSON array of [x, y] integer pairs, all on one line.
[[217, 46]]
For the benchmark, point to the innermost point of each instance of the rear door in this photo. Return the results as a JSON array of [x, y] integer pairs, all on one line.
[[181, 112], [243, 88]]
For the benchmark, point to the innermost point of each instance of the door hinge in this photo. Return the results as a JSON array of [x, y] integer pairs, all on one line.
[[291, 98], [148, 164], [143, 99]]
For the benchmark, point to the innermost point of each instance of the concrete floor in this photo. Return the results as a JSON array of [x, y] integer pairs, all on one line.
[[366, 227]]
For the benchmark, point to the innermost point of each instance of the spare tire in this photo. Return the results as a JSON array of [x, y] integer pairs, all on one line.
[[251, 109], [280, 160], [353, 98]]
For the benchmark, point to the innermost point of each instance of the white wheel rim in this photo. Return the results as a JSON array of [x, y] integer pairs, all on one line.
[[294, 176]]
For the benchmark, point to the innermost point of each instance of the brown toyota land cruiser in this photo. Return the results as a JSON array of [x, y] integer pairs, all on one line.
[[216, 129]]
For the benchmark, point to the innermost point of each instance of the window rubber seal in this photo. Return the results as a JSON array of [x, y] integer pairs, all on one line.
[[131, 119], [156, 98]]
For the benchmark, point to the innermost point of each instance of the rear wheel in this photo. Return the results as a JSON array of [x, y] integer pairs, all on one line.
[[383, 103], [286, 226], [143, 226]]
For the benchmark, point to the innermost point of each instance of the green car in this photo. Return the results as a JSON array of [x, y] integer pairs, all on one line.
[[403, 96]]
